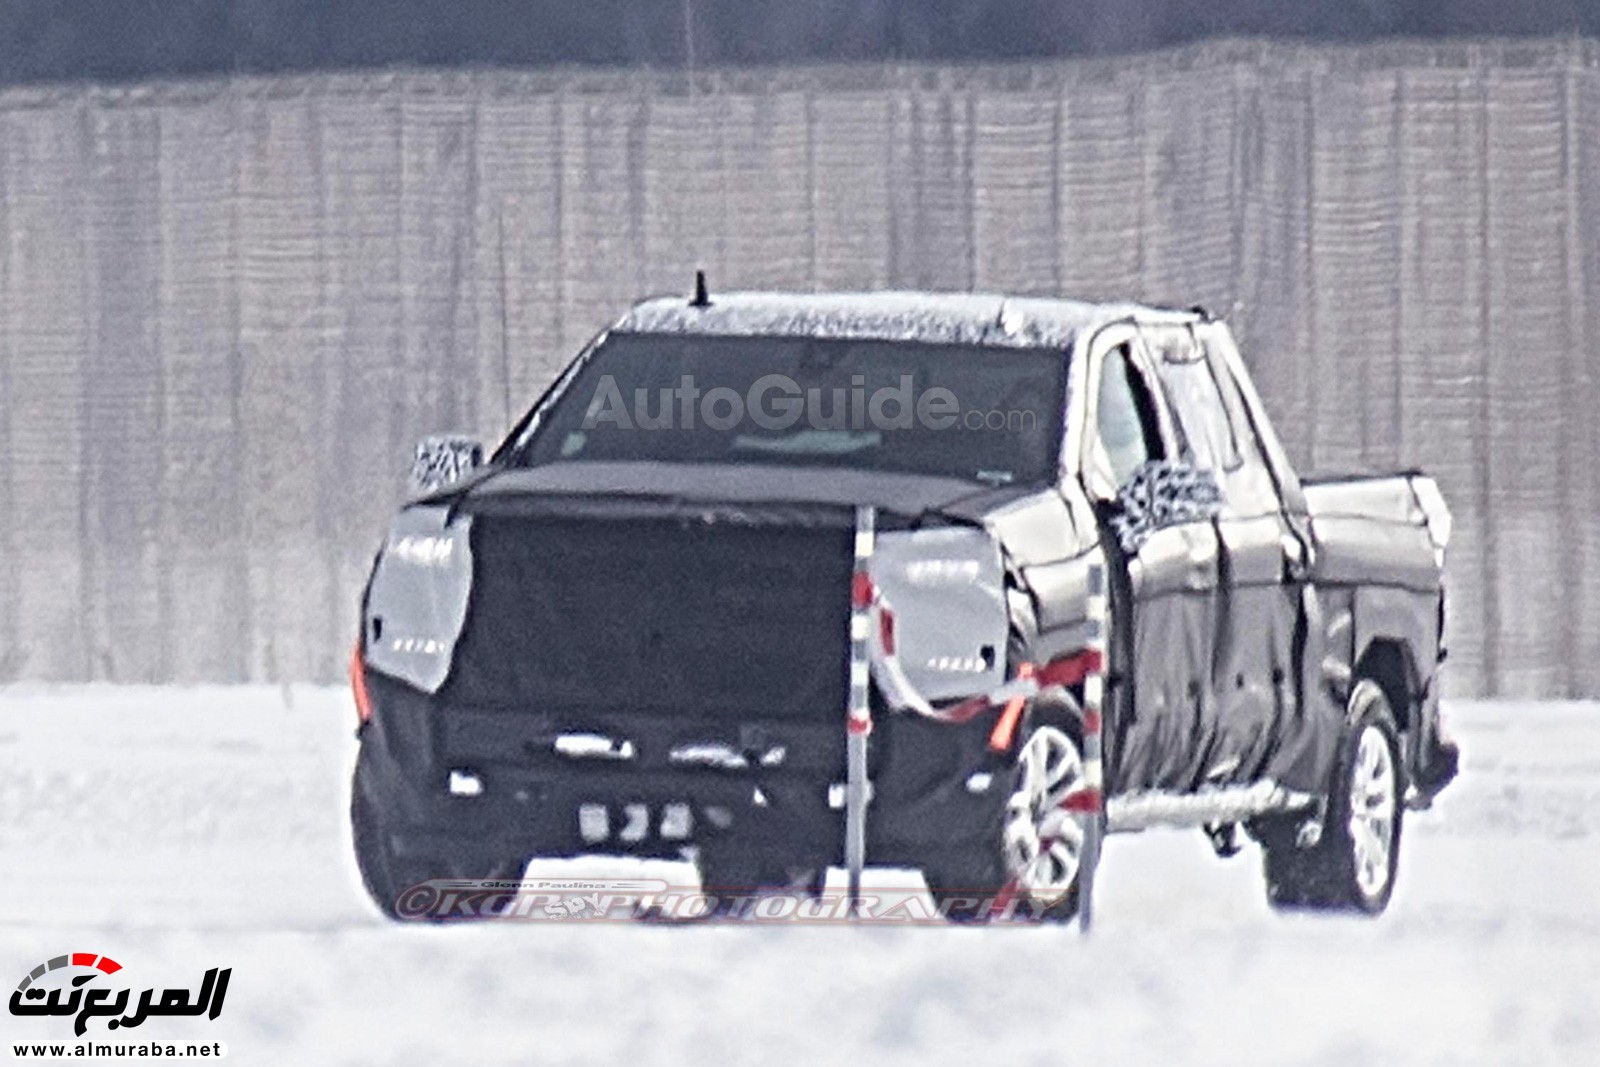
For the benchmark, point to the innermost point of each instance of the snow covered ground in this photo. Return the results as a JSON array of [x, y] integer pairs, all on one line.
[[176, 830]]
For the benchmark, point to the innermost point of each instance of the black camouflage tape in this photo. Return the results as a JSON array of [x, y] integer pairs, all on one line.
[[443, 459], [1160, 494]]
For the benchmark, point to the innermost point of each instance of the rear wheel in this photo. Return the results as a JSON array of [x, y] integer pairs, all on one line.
[[1352, 866], [1029, 864]]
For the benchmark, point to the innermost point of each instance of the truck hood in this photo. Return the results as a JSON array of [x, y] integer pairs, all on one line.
[[618, 486]]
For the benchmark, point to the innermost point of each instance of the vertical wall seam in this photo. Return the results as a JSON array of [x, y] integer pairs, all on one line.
[[1482, 440]]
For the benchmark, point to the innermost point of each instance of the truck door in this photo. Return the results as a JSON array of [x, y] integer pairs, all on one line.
[[1252, 679], [1170, 576]]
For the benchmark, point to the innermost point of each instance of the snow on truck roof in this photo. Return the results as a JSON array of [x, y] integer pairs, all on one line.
[[936, 318]]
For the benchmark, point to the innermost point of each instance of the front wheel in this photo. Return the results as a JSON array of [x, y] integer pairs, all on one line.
[[387, 875], [732, 878], [1029, 866], [1352, 866]]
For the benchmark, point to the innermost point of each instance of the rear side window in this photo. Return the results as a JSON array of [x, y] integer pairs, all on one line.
[[1244, 436], [1198, 406], [1250, 489]]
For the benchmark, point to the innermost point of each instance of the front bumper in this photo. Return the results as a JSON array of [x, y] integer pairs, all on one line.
[[934, 784]]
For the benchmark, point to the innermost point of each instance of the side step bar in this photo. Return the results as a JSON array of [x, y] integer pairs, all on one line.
[[1220, 804]]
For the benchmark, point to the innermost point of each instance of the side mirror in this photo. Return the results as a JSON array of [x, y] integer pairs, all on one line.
[[1161, 494], [441, 460]]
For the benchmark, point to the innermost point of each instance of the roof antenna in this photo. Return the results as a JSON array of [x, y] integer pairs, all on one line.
[[702, 299]]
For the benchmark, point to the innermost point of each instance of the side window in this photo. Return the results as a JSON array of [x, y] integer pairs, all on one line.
[[1197, 404], [1249, 449], [1125, 422], [1250, 489]]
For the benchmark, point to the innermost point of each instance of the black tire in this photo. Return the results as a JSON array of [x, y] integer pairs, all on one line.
[[374, 859], [964, 906], [731, 877], [1347, 870], [977, 881], [387, 876]]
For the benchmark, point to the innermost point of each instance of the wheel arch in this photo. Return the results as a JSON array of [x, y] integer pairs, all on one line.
[[1390, 662], [1059, 705]]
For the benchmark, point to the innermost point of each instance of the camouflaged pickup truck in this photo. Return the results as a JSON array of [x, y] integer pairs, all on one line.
[[630, 629]]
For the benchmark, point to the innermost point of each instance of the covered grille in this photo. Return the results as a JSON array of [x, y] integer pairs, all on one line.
[[685, 617]]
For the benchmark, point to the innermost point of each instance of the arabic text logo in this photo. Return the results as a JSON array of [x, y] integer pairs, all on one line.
[[31, 998]]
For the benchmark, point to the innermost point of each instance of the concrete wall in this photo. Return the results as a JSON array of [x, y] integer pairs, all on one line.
[[228, 308]]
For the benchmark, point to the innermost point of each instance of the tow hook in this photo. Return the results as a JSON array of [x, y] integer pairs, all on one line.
[[1224, 838]]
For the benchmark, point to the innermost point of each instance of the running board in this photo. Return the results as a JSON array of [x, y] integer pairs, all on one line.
[[1213, 805]]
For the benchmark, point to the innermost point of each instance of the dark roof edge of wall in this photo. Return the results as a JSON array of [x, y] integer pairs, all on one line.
[[829, 78]]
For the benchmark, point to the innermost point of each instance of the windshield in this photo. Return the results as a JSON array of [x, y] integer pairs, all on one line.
[[988, 415]]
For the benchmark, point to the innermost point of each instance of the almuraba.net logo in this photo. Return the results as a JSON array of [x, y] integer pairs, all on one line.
[[82, 997]]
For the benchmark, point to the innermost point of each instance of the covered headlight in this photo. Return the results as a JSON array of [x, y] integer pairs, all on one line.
[[417, 601], [946, 587]]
